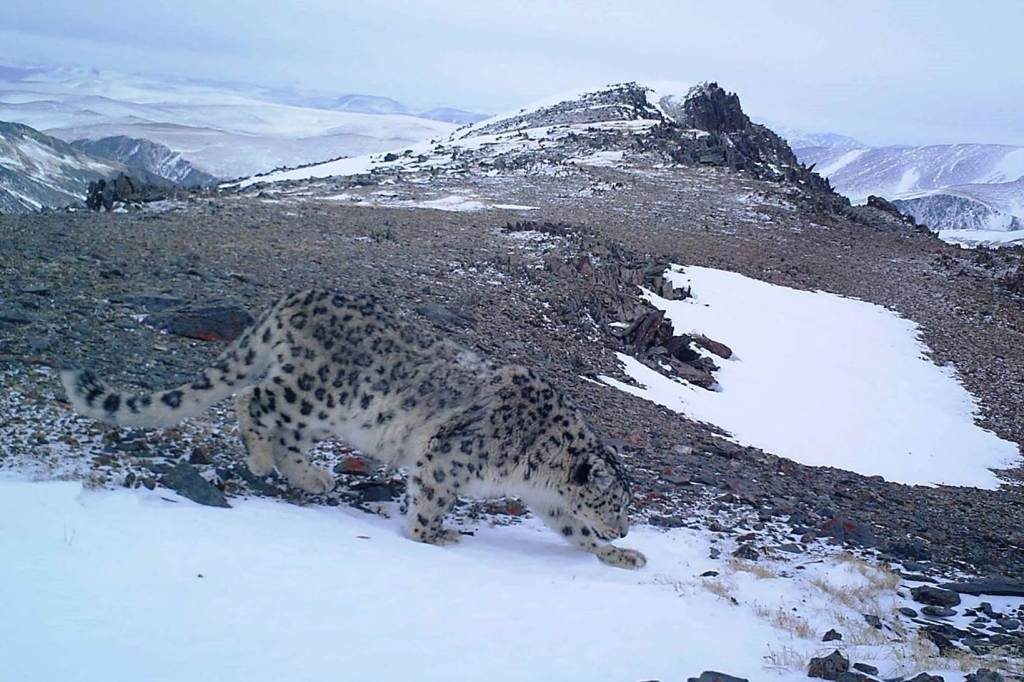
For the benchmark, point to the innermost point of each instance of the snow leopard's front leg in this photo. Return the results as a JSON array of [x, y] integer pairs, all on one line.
[[432, 490], [582, 535]]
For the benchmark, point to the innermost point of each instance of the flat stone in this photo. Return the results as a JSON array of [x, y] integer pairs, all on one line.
[[938, 611], [712, 676], [935, 596], [185, 480], [994, 587], [206, 323], [865, 668]]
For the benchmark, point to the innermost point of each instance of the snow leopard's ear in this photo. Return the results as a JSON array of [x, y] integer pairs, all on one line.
[[592, 472]]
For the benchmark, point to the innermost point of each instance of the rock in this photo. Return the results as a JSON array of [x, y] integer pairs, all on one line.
[[223, 322], [995, 587], [873, 621], [666, 521], [720, 349], [925, 677], [888, 207], [938, 639], [712, 676], [748, 552], [185, 480], [908, 612], [14, 317], [938, 611], [709, 574], [125, 189], [935, 596], [984, 675], [1008, 623], [831, 636], [851, 676], [355, 466], [688, 372], [865, 668], [911, 549], [828, 667], [445, 318], [847, 531], [377, 492]]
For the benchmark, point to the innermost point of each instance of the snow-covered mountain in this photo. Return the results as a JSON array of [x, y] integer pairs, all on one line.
[[225, 130], [617, 125], [993, 207], [802, 139], [144, 155], [946, 187], [38, 171]]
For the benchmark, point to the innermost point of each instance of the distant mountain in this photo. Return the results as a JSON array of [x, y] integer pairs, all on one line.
[[369, 104], [224, 130], [801, 139], [450, 115], [995, 207], [151, 157], [38, 171], [946, 187]]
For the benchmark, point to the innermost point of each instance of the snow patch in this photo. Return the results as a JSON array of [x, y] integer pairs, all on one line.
[[826, 381], [118, 582]]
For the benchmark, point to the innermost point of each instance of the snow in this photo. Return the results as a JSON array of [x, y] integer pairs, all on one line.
[[991, 238], [229, 130], [125, 585], [826, 381], [605, 159], [842, 161]]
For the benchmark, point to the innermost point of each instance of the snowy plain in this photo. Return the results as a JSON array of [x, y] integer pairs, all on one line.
[[228, 130], [990, 238], [112, 586], [826, 381]]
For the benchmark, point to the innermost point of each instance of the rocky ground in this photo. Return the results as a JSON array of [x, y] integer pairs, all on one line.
[[544, 287]]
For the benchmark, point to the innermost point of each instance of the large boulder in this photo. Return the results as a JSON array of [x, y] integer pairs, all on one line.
[[217, 322]]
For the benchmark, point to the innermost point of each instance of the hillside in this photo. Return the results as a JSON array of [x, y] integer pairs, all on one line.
[[816, 407], [38, 171], [146, 156]]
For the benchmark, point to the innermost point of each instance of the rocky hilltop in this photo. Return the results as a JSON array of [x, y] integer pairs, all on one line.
[[627, 124]]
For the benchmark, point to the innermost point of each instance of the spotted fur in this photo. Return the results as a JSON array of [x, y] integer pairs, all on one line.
[[321, 365]]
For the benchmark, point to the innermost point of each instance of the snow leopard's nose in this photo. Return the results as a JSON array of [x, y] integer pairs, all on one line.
[[624, 529]]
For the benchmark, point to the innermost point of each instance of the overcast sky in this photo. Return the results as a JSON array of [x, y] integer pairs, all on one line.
[[886, 72]]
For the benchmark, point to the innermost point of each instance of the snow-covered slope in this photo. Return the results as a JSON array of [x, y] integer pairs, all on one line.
[[836, 382], [960, 186], [110, 586], [224, 130], [893, 172], [995, 207], [38, 171], [627, 124], [138, 154]]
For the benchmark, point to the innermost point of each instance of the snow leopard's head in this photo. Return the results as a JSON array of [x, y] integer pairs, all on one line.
[[599, 485]]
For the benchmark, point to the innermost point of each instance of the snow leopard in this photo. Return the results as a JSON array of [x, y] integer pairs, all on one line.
[[321, 365]]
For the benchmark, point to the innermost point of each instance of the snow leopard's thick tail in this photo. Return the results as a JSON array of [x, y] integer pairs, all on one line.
[[240, 365]]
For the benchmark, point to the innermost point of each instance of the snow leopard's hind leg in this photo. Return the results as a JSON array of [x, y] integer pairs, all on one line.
[[257, 438], [269, 445]]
